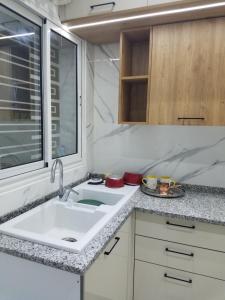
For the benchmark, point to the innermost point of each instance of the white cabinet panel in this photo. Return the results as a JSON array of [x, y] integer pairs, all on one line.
[[198, 234], [81, 8], [155, 2], [25, 280], [183, 257], [151, 283], [111, 276]]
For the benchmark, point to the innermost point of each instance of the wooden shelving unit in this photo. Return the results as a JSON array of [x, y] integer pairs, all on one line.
[[134, 76]]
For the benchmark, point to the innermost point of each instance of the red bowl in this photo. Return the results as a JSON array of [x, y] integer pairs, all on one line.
[[132, 178], [114, 182]]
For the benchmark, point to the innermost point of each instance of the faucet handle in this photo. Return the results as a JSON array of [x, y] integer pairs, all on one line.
[[66, 194]]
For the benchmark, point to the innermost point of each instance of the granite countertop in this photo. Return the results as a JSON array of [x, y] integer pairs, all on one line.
[[204, 204], [200, 203]]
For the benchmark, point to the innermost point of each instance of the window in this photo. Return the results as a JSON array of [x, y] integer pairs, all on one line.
[[63, 96], [35, 129], [20, 91]]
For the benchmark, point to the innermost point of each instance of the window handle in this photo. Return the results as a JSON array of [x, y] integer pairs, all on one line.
[[178, 279], [181, 253], [182, 226], [102, 4], [110, 251]]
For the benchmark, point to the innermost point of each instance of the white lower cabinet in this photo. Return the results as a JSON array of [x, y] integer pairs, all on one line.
[[178, 259], [21, 279], [187, 258], [111, 276], [154, 282]]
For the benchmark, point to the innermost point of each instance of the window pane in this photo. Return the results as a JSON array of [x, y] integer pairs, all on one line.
[[20, 91], [64, 96]]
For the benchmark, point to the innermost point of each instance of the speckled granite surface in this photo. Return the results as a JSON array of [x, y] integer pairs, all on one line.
[[200, 203], [65, 260]]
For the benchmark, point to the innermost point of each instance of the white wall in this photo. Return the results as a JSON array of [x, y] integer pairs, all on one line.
[[45, 8], [189, 154]]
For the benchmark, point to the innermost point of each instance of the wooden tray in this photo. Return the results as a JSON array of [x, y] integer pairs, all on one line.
[[174, 193]]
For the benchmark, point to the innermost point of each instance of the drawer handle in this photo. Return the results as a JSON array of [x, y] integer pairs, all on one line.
[[109, 252], [181, 253], [102, 4], [178, 225], [178, 279], [184, 118]]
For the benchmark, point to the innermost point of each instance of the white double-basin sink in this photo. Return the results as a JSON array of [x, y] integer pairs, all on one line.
[[69, 225]]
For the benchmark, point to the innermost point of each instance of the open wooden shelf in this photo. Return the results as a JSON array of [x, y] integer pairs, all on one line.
[[135, 52], [134, 101], [134, 76]]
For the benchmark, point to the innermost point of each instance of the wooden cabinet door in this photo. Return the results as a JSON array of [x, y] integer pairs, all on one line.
[[187, 75]]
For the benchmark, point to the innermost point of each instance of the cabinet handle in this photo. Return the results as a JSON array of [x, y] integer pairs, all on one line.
[[178, 279], [182, 226], [102, 4], [109, 252], [184, 118], [181, 253]]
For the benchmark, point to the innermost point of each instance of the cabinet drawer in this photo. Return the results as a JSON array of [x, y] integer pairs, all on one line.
[[187, 258], [160, 283], [81, 8], [181, 231]]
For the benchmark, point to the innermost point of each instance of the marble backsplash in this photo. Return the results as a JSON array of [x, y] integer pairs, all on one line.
[[190, 154]]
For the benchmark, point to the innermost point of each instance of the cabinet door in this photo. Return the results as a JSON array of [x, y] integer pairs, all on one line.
[[81, 8], [155, 2], [22, 279], [110, 277], [188, 67], [153, 282]]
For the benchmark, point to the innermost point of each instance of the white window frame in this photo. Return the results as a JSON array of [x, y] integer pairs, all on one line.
[[23, 12], [74, 160]]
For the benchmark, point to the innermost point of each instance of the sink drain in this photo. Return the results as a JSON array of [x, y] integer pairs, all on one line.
[[69, 239]]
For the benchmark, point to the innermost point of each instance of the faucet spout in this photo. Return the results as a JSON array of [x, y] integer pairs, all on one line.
[[59, 163]]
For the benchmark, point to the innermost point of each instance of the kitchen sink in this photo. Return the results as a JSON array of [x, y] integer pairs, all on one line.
[[107, 198], [55, 224], [68, 225]]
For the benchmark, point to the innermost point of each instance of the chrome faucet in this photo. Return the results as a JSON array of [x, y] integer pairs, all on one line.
[[59, 163], [67, 192]]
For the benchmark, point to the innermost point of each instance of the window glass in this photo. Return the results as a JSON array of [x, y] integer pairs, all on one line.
[[20, 91], [63, 96]]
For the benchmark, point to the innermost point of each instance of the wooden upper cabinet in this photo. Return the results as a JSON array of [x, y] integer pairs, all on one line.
[[187, 73]]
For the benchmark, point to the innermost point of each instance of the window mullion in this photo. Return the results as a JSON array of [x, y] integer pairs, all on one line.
[[47, 94]]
